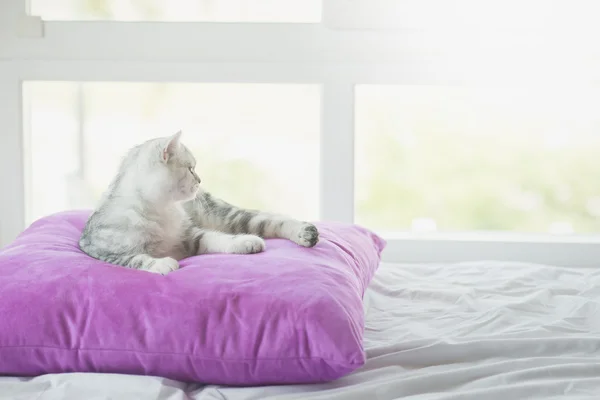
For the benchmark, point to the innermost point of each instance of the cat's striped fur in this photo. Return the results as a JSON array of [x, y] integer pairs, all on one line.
[[154, 214]]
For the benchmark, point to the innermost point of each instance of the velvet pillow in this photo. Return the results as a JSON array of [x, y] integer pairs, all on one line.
[[287, 315]]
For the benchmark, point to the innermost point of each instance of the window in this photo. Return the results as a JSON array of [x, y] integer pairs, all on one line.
[[458, 130], [440, 158], [257, 145], [179, 10]]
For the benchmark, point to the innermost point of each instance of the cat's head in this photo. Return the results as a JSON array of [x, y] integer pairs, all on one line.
[[171, 170]]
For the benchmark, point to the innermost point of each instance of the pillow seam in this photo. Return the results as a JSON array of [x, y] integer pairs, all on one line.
[[183, 354]]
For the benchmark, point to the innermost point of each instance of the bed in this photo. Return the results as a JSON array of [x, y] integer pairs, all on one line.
[[485, 330]]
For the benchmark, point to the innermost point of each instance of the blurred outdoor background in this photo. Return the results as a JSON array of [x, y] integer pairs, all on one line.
[[179, 10], [428, 158]]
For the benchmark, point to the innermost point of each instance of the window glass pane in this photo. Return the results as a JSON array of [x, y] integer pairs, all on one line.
[[179, 10], [465, 159], [257, 145]]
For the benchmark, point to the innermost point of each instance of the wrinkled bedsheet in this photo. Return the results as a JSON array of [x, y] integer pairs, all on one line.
[[485, 330]]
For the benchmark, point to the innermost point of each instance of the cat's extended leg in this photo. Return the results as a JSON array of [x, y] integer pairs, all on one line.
[[203, 241], [220, 215]]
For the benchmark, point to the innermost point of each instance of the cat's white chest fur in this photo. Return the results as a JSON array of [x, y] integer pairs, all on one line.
[[168, 231]]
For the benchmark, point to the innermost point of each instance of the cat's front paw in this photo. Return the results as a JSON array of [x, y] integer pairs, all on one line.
[[163, 266], [306, 235], [247, 244]]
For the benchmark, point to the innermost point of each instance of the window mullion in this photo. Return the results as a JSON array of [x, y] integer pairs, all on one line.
[[12, 199], [337, 152]]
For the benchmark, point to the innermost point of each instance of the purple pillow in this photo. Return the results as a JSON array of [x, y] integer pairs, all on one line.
[[287, 315]]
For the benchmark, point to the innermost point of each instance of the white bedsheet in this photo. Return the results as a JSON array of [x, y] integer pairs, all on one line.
[[480, 331]]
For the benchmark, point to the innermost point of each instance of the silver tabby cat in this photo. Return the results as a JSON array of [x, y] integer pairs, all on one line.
[[154, 214]]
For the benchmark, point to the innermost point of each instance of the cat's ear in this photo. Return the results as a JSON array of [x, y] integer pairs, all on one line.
[[171, 146]]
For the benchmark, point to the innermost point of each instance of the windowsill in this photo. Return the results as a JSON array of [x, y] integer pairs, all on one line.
[[488, 236], [555, 250]]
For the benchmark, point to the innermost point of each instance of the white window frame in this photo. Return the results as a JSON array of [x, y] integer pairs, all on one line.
[[338, 54]]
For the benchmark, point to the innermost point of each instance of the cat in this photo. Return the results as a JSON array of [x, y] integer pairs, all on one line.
[[154, 213]]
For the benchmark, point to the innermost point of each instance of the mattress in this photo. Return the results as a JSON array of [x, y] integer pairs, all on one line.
[[433, 332]]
